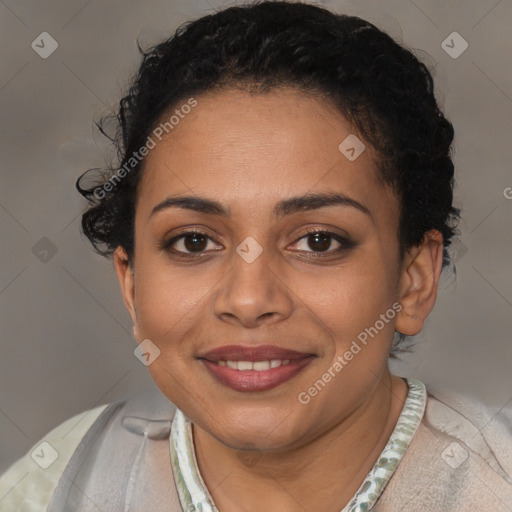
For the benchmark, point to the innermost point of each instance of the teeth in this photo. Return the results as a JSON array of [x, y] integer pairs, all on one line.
[[259, 366]]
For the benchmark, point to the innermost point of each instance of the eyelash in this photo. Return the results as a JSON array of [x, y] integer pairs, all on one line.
[[345, 243]]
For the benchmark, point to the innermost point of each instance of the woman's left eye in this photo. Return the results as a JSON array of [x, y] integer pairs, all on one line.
[[193, 243], [321, 241]]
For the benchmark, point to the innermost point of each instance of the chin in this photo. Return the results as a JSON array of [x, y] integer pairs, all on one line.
[[261, 428]]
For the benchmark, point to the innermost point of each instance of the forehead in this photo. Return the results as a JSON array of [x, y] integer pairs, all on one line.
[[254, 149]]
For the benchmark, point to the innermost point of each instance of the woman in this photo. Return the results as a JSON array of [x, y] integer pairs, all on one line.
[[278, 221]]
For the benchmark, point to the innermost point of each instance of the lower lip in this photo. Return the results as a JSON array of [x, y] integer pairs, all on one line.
[[253, 380]]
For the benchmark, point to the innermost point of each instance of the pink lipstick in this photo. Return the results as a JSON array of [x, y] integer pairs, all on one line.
[[257, 368]]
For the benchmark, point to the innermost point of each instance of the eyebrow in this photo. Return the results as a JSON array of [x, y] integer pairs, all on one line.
[[282, 208]]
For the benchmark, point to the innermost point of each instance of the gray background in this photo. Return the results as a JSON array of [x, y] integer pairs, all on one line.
[[66, 343]]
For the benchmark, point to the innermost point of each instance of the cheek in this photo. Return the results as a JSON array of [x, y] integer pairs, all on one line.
[[167, 307], [162, 302], [350, 302], [171, 301]]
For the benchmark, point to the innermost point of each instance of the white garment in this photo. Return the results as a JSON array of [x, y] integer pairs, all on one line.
[[456, 462], [28, 487]]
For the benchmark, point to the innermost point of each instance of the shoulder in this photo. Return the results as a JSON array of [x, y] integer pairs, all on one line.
[[28, 484], [109, 433], [486, 433], [460, 459]]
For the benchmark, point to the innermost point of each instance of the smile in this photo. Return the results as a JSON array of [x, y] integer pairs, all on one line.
[[254, 369]]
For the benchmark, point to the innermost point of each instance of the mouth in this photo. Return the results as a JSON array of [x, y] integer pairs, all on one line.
[[254, 368]]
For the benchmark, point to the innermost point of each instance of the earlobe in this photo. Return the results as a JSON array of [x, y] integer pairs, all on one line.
[[419, 283], [125, 276]]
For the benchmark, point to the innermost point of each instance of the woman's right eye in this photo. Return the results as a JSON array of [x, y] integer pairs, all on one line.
[[188, 244]]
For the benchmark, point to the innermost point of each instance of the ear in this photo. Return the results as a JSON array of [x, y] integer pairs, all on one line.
[[125, 274], [419, 283]]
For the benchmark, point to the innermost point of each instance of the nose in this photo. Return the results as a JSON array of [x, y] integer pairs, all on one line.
[[253, 292]]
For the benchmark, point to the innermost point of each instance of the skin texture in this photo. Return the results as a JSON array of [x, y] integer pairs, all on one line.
[[265, 450]]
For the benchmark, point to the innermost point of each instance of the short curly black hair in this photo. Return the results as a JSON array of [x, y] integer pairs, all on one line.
[[376, 83]]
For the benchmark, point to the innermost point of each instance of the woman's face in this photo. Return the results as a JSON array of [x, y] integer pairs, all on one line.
[[253, 280]]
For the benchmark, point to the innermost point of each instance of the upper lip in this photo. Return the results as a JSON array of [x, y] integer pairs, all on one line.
[[255, 353]]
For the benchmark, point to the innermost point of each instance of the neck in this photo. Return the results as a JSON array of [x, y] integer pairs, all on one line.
[[334, 464]]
